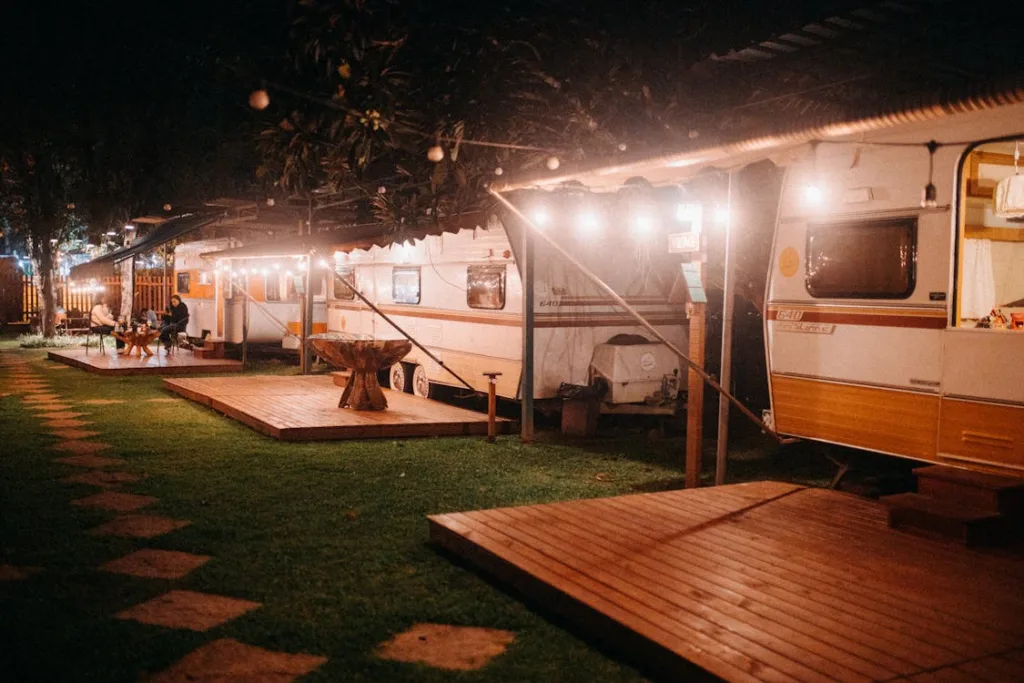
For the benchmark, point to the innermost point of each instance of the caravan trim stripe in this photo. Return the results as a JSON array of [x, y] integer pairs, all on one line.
[[928, 319]]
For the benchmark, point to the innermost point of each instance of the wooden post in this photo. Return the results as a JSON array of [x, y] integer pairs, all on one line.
[[305, 355], [245, 324], [725, 374], [695, 397], [492, 405]]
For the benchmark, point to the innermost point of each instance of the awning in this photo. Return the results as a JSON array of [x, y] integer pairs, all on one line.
[[670, 165], [163, 233], [347, 239]]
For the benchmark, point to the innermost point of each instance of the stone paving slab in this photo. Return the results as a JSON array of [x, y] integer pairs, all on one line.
[[139, 526], [118, 501], [66, 424], [456, 648], [48, 407], [80, 447], [229, 661], [10, 572], [77, 434], [103, 479], [41, 397], [61, 415], [152, 563], [188, 610], [89, 460], [101, 402]]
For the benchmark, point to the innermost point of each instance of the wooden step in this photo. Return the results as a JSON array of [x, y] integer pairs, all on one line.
[[212, 348], [938, 518], [979, 490]]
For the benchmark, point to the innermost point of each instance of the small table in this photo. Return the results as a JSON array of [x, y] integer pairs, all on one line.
[[365, 357], [137, 339]]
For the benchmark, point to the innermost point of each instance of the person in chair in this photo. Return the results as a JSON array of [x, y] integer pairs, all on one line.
[[175, 320], [101, 320]]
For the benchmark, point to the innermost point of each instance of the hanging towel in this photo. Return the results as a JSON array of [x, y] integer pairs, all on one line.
[[979, 283]]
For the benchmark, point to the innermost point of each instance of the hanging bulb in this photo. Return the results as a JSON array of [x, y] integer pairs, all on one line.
[[499, 171], [553, 163], [167, 207], [435, 154], [259, 99], [930, 195]]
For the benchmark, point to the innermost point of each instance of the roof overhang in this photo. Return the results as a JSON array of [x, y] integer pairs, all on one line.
[[674, 166]]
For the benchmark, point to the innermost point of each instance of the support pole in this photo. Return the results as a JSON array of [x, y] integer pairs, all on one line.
[[307, 316], [728, 299], [245, 325], [695, 396], [526, 418]]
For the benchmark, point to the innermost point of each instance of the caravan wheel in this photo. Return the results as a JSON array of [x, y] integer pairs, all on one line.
[[420, 383], [398, 378]]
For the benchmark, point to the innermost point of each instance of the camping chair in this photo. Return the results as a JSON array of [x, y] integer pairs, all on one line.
[[176, 336], [96, 331]]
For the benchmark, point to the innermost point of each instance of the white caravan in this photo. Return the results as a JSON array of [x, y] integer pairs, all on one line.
[[897, 327], [461, 296], [216, 307]]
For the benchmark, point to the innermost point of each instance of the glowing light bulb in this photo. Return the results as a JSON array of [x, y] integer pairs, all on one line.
[[814, 195], [129, 227], [540, 217], [322, 263], [589, 221], [277, 266], [722, 215], [643, 224]]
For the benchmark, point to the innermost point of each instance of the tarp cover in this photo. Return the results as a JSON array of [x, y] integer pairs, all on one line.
[[165, 232]]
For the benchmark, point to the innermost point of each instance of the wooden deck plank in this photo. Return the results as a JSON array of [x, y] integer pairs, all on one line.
[[785, 583], [305, 408], [112, 364]]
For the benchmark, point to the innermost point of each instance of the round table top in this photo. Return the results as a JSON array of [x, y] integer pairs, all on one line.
[[369, 354]]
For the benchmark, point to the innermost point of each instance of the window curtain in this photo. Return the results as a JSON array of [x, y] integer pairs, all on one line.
[[979, 283]]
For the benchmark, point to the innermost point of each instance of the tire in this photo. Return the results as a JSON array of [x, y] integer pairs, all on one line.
[[420, 383], [398, 378]]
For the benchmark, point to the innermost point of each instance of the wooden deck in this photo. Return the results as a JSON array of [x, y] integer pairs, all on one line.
[[109, 363], [761, 581], [306, 409]]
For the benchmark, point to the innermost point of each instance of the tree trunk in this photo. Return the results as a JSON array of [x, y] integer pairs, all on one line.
[[127, 289], [47, 294]]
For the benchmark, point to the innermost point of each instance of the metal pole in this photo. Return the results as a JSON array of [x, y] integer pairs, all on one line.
[[307, 316], [245, 325], [163, 290], [728, 283], [635, 314], [527, 270]]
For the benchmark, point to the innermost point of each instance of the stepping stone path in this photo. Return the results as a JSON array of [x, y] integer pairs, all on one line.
[[222, 660], [229, 660], [119, 501], [188, 610], [9, 572], [139, 526], [90, 461], [151, 563], [103, 479], [458, 648], [61, 415], [82, 447], [77, 434]]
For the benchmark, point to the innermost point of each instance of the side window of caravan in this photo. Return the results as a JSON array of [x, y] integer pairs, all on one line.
[[873, 259], [344, 282], [405, 285], [184, 280], [272, 287], [485, 287]]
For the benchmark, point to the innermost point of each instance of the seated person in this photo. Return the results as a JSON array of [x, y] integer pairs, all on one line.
[[175, 320], [148, 316], [101, 320]]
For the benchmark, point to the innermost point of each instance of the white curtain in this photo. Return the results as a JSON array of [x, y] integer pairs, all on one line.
[[979, 283]]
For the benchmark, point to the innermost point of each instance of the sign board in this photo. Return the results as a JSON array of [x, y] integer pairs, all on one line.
[[683, 242], [691, 273]]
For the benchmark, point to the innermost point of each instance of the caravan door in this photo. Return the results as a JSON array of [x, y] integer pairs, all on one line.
[[982, 412]]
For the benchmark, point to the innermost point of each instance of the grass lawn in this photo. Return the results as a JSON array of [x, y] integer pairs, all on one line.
[[329, 537]]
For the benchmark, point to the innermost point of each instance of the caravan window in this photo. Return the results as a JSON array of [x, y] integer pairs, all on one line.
[[183, 282], [272, 287], [405, 285], [485, 287], [872, 259], [344, 283]]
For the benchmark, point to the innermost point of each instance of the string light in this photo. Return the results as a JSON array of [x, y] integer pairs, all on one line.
[[930, 195]]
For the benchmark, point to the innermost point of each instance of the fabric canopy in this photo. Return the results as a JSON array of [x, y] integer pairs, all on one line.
[[165, 232]]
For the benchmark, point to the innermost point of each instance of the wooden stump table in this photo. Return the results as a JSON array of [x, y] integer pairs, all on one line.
[[137, 339], [365, 358]]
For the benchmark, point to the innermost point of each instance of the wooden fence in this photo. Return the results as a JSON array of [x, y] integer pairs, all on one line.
[[20, 297]]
